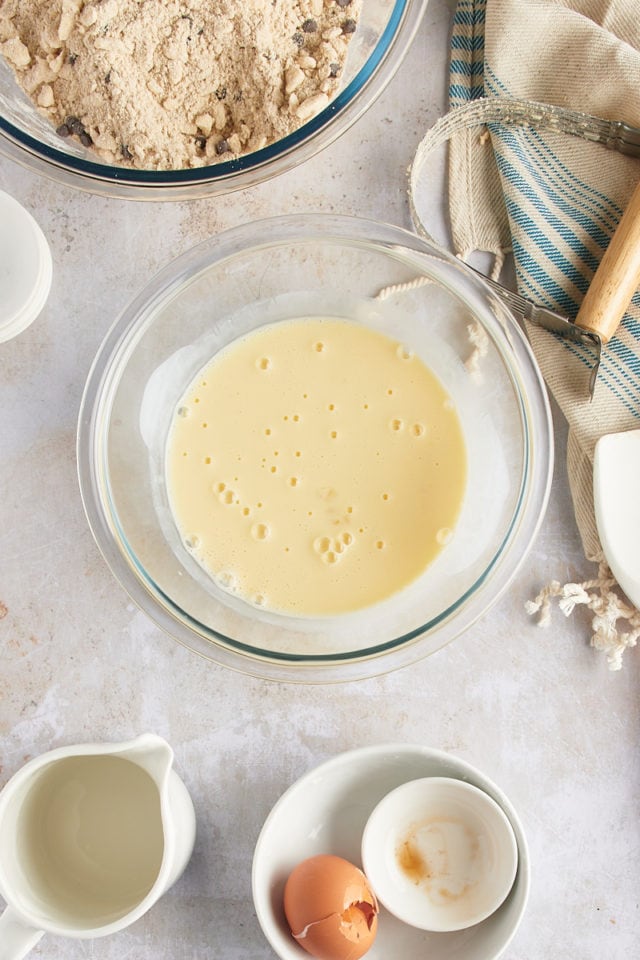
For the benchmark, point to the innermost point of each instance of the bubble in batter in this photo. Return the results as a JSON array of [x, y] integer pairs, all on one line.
[[260, 531]]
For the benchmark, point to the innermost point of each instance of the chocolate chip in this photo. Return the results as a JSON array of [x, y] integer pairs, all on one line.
[[85, 139], [201, 142], [126, 153], [221, 93], [343, 3], [75, 125], [63, 130], [298, 39], [309, 26], [349, 26], [222, 147], [334, 69], [72, 58]]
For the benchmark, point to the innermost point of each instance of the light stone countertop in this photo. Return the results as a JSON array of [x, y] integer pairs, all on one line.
[[536, 710]]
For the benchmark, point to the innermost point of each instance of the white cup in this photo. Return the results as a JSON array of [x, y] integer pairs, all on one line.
[[90, 837], [440, 853]]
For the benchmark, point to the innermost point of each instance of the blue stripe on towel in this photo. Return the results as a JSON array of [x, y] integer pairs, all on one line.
[[458, 92], [554, 295], [470, 13], [464, 42], [549, 248], [540, 161], [468, 69], [622, 387], [535, 191], [598, 205], [467, 40]]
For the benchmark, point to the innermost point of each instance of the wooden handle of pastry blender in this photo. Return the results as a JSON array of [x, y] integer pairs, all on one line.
[[616, 279]]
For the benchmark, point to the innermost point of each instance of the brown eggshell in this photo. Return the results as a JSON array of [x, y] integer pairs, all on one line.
[[330, 908]]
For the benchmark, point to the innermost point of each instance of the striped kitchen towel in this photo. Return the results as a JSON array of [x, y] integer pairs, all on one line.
[[523, 186]]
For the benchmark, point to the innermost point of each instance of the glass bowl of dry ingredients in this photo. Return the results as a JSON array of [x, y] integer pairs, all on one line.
[[315, 448], [167, 100]]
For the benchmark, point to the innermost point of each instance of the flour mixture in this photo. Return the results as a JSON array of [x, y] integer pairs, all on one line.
[[169, 84]]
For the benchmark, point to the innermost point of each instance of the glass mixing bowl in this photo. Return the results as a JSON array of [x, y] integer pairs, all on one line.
[[281, 269], [385, 31]]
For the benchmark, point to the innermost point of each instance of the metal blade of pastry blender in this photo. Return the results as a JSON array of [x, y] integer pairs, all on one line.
[[550, 320], [616, 484]]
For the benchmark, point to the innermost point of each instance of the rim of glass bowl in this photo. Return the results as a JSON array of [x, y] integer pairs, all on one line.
[[531, 398], [227, 176]]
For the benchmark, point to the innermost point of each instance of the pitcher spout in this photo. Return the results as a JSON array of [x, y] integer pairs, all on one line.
[[153, 754]]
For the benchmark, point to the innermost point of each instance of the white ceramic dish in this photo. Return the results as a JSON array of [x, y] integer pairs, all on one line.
[[440, 853], [616, 472], [26, 268], [326, 812]]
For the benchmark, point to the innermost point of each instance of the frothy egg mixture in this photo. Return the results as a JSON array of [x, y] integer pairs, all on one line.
[[315, 467]]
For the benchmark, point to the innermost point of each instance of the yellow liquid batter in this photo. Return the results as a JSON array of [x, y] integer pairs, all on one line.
[[315, 467]]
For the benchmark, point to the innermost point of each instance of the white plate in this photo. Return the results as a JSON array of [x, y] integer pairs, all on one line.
[[326, 811], [25, 268]]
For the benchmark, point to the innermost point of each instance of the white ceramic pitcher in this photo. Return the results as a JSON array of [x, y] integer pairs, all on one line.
[[90, 837]]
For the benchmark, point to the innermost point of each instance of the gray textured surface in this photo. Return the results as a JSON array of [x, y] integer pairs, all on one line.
[[536, 710]]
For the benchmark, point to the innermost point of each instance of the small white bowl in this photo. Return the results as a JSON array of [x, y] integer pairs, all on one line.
[[440, 854]]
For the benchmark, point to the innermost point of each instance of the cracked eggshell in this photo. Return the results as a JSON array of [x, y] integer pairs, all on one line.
[[331, 910]]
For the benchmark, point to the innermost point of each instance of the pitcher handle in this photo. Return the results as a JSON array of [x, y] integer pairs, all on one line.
[[16, 937]]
